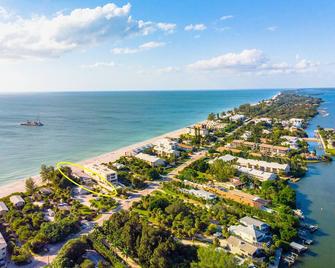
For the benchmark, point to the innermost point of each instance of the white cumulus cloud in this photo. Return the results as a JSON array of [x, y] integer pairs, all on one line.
[[253, 61], [41, 36], [247, 59], [195, 27], [98, 64], [143, 47]]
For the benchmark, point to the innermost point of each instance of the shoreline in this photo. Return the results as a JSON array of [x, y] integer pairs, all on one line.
[[19, 185]]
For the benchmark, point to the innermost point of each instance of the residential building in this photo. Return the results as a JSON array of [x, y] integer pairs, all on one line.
[[257, 164], [222, 149], [201, 194], [99, 170], [233, 183], [17, 201], [239, 247], [237, 117], [242, 143], [296, 122], [269, 149], [258, 174], [214, 125], [246, 135], [79, 191], [3, 251], [150, 159], [266, 120], [139, 149], [45, 191], [166, 147], [227, 158], [200, 129], [3, 209], [259, 225], [248, 233], [234, 195], [185, 147], [118, 166], [290, 141]]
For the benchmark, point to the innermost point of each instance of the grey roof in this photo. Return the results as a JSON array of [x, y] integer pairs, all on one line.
[[227, 158], [251, 221], [3, 207], [16, 199]]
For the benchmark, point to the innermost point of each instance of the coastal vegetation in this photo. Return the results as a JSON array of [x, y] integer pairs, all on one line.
[[187, 219]]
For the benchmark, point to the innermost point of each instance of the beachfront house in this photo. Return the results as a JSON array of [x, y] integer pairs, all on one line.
[[45, 191], [3, 251], [79, 191], [118, 166], [199, 129], [102, 170], [3, 209], [260, 225], [153, 161], [166, 148], [17, 201], [239, 247], [249, 234]]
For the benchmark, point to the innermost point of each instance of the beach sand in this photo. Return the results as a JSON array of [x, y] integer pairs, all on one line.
[[19, 185]]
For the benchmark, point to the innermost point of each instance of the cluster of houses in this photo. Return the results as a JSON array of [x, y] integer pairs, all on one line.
[[17, 201], [3, 251], [263, 148], [261, 170], [247, 237], [234, 195]]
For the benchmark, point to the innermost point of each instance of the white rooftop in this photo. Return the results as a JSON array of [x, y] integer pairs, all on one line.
[[251, 221], [101, 169], [148, 157], [2, 240], [16, 199], [227, 158], [261, 163], [261, 175], [3, 207]]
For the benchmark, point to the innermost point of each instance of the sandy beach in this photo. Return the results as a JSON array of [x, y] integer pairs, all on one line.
[[19, 185]]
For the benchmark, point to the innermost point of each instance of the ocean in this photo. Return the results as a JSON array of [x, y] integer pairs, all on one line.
[[86, 124]]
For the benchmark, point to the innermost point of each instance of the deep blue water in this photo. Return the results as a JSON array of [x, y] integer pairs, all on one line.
[[316, 194], [82, 125]]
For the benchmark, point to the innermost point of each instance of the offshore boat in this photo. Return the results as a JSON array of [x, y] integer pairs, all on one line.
[[29, 123]]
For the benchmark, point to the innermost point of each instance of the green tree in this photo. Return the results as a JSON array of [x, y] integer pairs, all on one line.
[[211, 257], [30, 186]]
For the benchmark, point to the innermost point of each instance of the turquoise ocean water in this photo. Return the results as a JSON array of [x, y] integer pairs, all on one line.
[[83, 125]]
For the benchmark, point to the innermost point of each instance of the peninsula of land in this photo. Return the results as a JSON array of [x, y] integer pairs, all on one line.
[[222, 183]]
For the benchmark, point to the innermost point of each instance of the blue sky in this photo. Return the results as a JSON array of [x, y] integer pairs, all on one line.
[[116, 45]]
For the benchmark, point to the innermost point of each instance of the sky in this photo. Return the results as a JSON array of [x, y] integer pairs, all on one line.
[[62, 45]]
